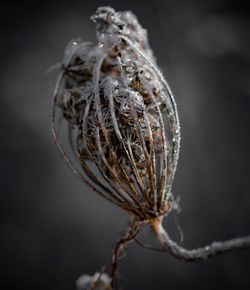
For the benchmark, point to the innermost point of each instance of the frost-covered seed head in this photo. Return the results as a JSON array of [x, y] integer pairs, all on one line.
[[122, 116]]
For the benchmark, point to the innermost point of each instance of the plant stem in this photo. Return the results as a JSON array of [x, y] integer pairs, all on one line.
[[119, 249], [199, 254]]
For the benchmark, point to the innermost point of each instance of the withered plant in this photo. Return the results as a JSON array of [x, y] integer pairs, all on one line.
[[124, 129]]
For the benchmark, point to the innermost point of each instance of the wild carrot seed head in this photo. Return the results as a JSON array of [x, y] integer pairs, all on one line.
[[123, 114]]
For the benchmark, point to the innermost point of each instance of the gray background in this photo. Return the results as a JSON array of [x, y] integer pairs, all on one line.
[[53, 228]]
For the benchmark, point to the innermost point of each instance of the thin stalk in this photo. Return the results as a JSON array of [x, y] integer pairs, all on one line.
[[119, 249], [199, 254]]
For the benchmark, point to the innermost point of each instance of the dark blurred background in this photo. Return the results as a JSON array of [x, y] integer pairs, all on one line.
[[53, 228]]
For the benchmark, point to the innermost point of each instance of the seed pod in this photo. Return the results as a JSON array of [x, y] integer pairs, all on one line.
[[123, 118]]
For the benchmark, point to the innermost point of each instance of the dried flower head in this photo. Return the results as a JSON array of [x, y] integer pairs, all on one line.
[[124, 122], [99, 281], [124, 131]]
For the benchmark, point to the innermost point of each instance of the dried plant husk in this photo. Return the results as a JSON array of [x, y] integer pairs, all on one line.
[[124, 126], [98, 281]]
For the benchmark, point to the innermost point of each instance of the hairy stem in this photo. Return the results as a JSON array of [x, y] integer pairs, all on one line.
[[199, 254]]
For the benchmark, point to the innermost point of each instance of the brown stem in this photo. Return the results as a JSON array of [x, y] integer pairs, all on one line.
[[199, 254], [119, 249]]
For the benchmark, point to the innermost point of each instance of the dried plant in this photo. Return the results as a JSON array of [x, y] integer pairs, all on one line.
[[99, 281], [124, 129]]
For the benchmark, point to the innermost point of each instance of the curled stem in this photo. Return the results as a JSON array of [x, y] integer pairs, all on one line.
[[119, 249], [199, 254]]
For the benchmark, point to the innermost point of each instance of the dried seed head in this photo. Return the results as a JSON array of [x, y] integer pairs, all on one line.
[[99, 281], [122, 114]]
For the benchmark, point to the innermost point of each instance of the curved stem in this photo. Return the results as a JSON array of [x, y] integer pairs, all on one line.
[[119, 249], [199, 254]]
